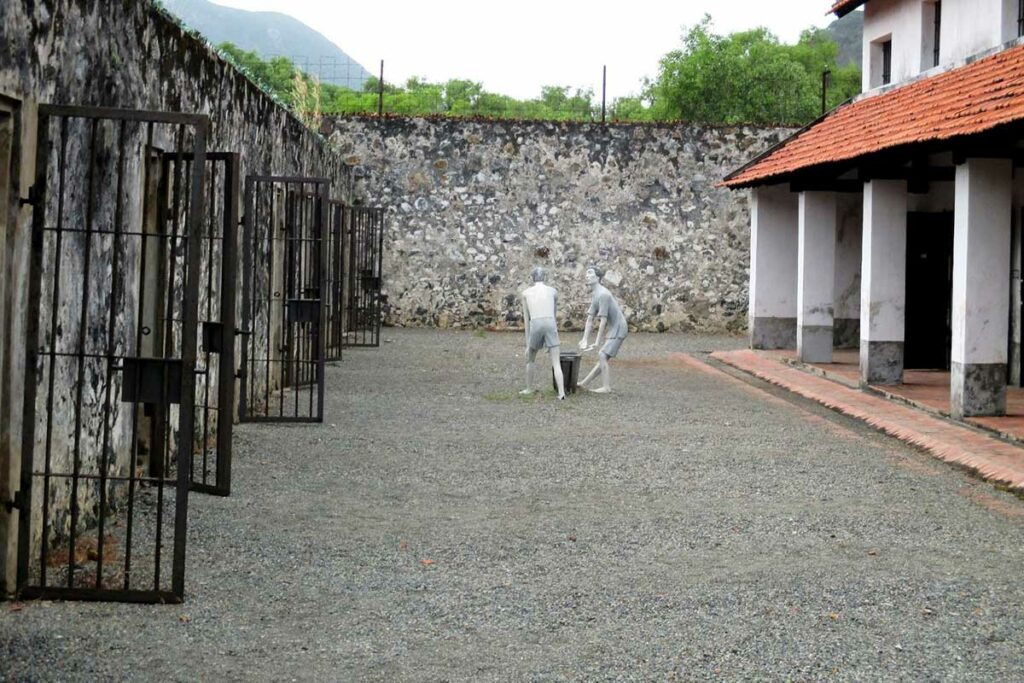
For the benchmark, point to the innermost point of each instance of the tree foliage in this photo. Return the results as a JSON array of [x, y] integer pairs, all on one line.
[[455, 97], [748, 77], [745, 77]]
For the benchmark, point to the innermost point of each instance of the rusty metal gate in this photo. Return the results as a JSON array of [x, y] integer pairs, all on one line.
[[282, 376], [215, 376], [334, 282], [365, 260], [111, 350]]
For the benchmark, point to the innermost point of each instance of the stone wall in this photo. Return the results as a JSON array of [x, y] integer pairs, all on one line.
[[113, 53], [474, 205]]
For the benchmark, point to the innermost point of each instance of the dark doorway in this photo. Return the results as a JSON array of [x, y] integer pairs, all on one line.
[[929, 311]]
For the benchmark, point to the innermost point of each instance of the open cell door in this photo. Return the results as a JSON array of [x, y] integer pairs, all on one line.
[[284, 282], [334, 282], [111, 346], [218, 292], [365, 227]]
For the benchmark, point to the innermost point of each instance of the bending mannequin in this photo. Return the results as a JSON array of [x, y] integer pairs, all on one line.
[[539, 304], [612, 327]]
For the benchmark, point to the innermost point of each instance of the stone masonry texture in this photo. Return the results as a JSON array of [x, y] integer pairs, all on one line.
[[475, 205]]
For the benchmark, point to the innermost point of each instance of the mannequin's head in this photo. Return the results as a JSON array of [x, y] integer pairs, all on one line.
[[538, 275], [594, 275]]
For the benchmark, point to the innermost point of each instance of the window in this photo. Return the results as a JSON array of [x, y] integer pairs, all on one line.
[[887, 62], [938, 31]]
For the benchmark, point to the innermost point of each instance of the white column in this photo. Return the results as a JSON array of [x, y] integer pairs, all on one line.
[[883, 284], [981, 283], [815, 276], [773, 249]]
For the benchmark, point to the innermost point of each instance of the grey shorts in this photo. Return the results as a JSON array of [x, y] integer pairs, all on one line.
[[543, 334], [611, 346]]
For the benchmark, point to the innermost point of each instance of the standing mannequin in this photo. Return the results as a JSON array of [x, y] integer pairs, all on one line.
[[539, 304], [613, 326]]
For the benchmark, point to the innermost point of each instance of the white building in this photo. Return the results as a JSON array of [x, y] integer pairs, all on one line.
[[896, 218]]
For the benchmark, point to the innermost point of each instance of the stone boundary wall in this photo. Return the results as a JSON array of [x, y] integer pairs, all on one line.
[[475, 205], [124, 54]]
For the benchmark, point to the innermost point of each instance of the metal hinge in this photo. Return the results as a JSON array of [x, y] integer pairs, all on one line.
[[17, 504], [34, 194]]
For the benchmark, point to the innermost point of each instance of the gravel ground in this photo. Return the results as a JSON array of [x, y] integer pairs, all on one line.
[[688, 526]]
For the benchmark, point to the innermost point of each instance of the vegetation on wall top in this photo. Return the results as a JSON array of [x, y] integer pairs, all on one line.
[[744, 77]]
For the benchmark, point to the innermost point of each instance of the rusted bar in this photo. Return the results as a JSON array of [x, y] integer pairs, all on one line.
[[190, 324], [83, 327], [139, 332], [54, 308], [115, 273]]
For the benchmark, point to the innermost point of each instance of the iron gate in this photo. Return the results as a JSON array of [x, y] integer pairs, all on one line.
[[334, 282], [284, 280], [365, 259], [215, 377], [111, 354]]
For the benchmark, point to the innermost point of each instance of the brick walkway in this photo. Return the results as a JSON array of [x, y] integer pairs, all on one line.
[[925, 389], [987, 456]]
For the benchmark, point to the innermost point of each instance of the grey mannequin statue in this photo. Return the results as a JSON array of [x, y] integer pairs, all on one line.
[[539, 305], [612, 328]]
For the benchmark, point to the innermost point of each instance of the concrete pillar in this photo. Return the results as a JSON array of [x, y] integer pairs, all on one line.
[[773, 249], [883, 273], [846, 324], [816, 256], [981, 287]]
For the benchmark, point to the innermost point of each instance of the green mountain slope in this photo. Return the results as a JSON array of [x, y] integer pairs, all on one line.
[[272, 34], [847, 32]]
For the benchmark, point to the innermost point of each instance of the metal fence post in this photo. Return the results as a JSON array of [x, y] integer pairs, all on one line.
[[604, 89], [380, 88], [825, 78]]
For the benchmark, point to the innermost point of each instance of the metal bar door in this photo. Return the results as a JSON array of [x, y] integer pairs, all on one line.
[[218, 291], [365, 260], [111, 354], [334, 285], [285, 266]]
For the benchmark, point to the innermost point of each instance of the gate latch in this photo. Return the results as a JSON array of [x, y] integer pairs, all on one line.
[[17, 504], [34, 193]]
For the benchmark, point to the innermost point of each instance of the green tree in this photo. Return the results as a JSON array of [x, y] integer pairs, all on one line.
[[747, 77]]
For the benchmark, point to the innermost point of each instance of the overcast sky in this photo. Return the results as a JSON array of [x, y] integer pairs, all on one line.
[[516, 47]]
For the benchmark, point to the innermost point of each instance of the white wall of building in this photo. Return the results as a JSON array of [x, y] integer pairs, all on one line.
[[971, 26], [901, 22], [848, 257], [968, 27]]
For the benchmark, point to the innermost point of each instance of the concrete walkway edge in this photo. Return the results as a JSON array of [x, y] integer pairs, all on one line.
[[990, 458]]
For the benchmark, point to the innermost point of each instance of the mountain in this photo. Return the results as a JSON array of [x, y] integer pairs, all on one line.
[[272, 34], [847, 32]]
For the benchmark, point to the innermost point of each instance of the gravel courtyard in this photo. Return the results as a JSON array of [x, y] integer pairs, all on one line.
[[688, 526]]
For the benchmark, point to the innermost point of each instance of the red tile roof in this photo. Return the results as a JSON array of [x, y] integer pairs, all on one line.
[[963, 101], [841, 7]]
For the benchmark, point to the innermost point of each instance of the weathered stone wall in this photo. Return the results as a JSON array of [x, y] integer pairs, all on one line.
[[474, 205], [126, 54]]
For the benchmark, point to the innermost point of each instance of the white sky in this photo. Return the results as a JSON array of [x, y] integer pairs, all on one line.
[[517, 46]]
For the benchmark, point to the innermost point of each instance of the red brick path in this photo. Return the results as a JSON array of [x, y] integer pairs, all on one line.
[[988, 456]]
